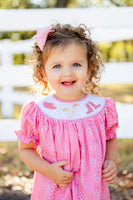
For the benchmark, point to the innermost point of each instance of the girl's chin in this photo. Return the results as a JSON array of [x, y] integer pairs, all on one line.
[[70, 97]]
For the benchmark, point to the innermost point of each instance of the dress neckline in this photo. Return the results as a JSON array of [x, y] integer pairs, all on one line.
[[74, 101], [71, 110]]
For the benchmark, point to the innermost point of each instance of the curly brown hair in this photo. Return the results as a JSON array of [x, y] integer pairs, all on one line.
[[62, 36]]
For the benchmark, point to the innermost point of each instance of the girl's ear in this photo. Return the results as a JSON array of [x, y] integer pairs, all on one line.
[[43, 73]]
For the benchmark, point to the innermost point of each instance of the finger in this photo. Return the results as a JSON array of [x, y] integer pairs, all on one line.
[[110, 173], [106, 170], [110, 179], [63, 185], [68, 174], [62, 163], [68, 178], [105, 164], [66, 181]]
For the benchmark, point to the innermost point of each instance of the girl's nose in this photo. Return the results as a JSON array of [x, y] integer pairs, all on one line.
[[67, 71]]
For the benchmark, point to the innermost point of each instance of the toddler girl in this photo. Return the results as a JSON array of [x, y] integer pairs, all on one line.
[[69, 137]]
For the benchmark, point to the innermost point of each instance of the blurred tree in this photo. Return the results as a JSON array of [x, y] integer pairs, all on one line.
[[18, 35], [121, 51], [122, 2], [62, 3], [103, 3], [15, 4], [19, 59]]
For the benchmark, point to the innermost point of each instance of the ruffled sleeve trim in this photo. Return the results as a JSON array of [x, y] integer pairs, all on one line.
[[111, 119], [29, 123], [25, 139]]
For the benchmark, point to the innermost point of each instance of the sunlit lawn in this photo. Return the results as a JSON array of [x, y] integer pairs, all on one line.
[[10, 160], [125, 155], [119, 92]]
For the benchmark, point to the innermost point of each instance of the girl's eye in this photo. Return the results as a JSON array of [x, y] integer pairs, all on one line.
[[76, 65], [57, 66]]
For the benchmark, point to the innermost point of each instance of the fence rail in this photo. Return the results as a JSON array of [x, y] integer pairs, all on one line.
[[93, 17], [110, 25]]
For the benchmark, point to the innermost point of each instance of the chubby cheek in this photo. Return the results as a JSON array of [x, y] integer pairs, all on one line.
[[53, 80], [84, 76], [50, 76]]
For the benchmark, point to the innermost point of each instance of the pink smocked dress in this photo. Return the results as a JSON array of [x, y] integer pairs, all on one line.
[[75, 131]]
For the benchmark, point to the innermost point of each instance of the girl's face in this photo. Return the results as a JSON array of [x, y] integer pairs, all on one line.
[[66, 70]]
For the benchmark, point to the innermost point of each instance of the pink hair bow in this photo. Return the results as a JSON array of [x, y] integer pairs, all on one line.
[[41, 36]]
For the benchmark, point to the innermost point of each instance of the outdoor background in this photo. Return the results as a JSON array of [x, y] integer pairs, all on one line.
[[15, 178]]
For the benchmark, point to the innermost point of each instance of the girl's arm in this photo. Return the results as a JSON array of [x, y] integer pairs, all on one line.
[[111, 149], [53, 171], [109, 166]]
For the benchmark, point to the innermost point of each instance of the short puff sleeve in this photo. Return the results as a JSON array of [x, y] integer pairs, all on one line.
[[28, 121], [111, 119]]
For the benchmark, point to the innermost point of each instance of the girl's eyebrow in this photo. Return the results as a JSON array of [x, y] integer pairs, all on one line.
[[80, 60], [73, 61], [54, 63]]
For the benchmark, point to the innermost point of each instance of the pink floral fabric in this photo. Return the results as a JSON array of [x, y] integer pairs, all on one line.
[[81, 141]]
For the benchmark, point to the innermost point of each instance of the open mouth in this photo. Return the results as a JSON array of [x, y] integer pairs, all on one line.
[[68, 83]]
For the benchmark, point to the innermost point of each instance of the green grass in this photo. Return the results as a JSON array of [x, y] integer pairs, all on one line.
[[17, 111], [22, 89], [125, 155], [119, 92], [10, 160]]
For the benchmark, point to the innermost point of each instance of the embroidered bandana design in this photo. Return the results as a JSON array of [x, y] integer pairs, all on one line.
[[92, 107], [73, 110], [49, 105]]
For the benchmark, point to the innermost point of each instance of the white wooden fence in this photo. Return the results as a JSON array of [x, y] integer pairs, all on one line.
[[109, 25]]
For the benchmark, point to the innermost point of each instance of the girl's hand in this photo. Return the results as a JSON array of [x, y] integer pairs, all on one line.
[[109, 171], [58, 175]]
